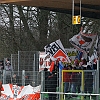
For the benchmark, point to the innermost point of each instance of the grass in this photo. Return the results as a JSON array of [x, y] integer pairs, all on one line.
[[72, 98]]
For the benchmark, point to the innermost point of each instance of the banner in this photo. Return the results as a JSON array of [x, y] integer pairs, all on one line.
[[83, 41], [93, 58], [56, 50], [44, 61], [14, 92], [72, 53], [61, 66]]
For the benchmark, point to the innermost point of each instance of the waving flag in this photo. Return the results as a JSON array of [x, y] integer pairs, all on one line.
[[96, 43], [61, 66], [82, 41], [79, 55], [52, 66], [94, 56], [56, 50]]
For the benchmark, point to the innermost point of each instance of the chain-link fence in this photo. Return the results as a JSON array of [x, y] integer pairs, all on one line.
[[26, 71], [25, 60], [14, 61], [82, 85], [51, 87], [24, 78]]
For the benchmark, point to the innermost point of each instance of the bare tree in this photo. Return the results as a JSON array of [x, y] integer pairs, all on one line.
[[29, 28]]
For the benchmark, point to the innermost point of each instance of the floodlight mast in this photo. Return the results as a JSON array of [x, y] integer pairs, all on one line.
[[72, 8], [76, 19], [80, 8]]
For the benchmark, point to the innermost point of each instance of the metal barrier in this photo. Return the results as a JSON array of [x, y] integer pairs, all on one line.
[[24, 78], [89, 96], [26, 70], [36, 78], [88, 87], [25, 60]]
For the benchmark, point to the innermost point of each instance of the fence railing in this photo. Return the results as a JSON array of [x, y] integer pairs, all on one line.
[[77, 96], [21, 78], [88, 87], [36, 78]]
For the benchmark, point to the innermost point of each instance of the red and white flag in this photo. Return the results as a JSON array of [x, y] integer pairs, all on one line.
[[83, 41], [14, 92], [56, 50]]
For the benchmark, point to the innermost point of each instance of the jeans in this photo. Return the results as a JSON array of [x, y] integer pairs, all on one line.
[[73, 87], [66, 87]]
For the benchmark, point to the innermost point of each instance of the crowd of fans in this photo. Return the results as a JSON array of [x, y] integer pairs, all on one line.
[[51, 81], [11, 77], [71, 80]]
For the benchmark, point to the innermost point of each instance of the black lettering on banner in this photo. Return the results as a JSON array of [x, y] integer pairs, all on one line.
[[52, 49], [55, 48]]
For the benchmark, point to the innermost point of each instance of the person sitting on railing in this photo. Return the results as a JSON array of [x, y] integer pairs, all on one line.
[[9, 71]]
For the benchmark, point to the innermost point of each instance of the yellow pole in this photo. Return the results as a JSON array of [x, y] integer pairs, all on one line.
[[62, 85], [82, 82]]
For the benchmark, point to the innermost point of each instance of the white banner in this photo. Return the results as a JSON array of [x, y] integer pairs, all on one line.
[[71, 52], [82, 41], [14, 92], [44, 61], [56, 50]]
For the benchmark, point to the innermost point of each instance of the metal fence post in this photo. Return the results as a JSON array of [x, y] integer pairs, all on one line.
[[4, 76], [97, 98], [23, 77], [18, 63], [41, 95]]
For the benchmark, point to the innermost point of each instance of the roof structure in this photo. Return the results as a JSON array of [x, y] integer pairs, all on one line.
[[89, 8]]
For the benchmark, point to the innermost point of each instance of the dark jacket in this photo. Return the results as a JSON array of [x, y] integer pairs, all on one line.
[[52, 82]]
